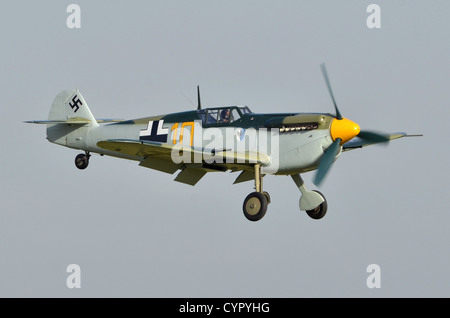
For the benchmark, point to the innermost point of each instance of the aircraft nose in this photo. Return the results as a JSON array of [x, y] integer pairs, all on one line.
[[344, 129]]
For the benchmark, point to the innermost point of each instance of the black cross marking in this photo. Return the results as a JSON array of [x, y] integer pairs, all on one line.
[[75, 102]]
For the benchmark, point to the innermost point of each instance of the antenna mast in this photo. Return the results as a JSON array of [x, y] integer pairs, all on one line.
[[198, 98]]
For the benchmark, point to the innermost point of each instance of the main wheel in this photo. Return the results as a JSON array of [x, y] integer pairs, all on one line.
[[320, 211], [255, 206], [267, 195], [82, 161]]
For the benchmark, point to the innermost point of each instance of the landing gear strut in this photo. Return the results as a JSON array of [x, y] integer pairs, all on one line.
[[255, 204], [313, 202], [82, 160]]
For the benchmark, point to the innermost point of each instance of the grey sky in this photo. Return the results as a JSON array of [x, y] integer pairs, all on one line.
[[135, 232]]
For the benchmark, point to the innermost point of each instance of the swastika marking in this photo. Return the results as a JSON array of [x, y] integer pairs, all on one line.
[[75, 101]]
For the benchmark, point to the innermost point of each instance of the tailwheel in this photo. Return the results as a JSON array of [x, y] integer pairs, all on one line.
[[82, 160], [320, 211], [255, 206]]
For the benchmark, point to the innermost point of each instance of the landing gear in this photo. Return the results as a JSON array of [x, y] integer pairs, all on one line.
[[320, 211], [313, 202], [255, 204], [82, 160]]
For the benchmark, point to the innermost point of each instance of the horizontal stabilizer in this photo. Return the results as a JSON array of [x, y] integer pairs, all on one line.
[[72, 121], [109, 120]]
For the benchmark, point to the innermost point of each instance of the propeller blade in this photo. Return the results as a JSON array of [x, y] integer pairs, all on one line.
[[327, 81], [373, 136], [326, 161]]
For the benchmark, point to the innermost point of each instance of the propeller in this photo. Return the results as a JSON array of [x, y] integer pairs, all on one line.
[[326, 161], [373, 136], [327, 81], [342, 130]]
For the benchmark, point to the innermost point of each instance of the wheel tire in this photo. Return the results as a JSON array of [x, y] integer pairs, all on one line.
[[320, 211], [267, 195], [255, 206], [81, 161]]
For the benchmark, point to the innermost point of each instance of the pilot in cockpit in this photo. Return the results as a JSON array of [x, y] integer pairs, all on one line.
[[225, 116]]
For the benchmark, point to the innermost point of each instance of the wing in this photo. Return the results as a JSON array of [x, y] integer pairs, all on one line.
[[193, 163], [356, 142]]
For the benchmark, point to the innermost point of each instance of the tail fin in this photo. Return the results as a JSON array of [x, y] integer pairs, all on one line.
[[69, 120], [70, 106]]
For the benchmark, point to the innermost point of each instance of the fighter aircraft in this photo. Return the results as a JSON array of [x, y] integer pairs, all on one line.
[[217, 139]]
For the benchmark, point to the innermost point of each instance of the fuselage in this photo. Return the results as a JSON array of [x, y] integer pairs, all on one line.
[[294, 142]]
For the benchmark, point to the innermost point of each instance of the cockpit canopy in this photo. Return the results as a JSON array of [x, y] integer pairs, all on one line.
[[222, 115]]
